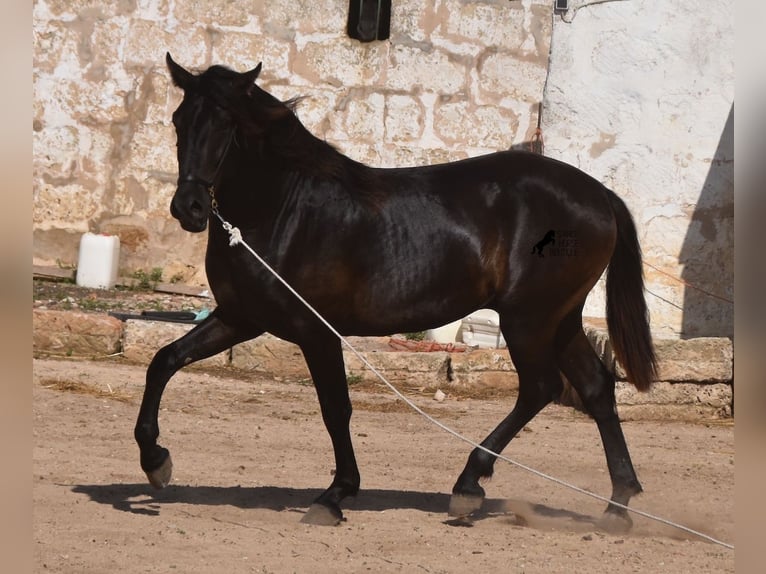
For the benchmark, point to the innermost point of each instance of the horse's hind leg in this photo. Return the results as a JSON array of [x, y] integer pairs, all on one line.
[[205, 340], [539, 383], [595, 386]]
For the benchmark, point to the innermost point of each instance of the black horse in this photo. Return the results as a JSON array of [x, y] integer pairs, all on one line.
[[381, 251]]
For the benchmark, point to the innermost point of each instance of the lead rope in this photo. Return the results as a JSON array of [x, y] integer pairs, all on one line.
[[235, 238]]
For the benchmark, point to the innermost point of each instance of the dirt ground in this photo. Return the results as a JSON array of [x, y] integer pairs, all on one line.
[[250, 455]]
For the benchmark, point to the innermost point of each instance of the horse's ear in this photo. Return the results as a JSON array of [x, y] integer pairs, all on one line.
[[248, 78], [181, 78]]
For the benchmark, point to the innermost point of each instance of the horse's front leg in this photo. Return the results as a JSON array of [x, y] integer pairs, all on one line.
[[324, 357], [205, 340]]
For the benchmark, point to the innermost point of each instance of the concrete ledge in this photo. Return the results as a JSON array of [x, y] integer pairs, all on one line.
[[697, 373], [483, 368], [675, 400], [401, 368], [75, 334], [142, 339], [700, 360], [272, 356]]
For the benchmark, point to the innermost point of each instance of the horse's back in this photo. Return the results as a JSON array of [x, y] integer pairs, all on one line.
[[509, 202], [462, 233]]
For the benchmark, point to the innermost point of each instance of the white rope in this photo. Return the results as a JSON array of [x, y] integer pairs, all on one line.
[[235, 238]]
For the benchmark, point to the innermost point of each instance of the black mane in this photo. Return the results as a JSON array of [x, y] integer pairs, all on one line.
[[287, 139]]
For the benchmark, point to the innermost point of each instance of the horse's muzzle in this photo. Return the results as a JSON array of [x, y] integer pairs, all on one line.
[[191, 206]]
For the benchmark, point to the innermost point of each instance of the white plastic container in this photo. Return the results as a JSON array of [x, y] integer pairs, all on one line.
[[446, 333], [482, 329], [98, 261]]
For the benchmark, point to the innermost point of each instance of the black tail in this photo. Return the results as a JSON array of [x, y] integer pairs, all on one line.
[[626, 314]]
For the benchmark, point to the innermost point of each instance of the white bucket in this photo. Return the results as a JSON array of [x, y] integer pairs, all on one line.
[[445, 334], [482, 329], [98, 261]]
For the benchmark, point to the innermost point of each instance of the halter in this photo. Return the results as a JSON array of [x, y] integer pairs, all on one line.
[[209, 185]]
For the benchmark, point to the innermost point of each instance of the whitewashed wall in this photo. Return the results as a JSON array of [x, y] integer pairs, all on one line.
[[640, 95]]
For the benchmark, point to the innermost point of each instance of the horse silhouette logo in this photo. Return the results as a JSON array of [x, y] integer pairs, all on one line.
[[549, 237]]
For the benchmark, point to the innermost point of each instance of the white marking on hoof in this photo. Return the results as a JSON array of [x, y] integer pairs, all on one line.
[[461, 505], [160, 477]]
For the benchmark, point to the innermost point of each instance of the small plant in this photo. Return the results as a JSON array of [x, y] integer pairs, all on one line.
[[177, 278], [146, 281], [417, 336], [87, 304], [353, 379]]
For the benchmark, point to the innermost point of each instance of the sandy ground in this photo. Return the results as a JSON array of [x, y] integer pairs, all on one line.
[[250, 455]]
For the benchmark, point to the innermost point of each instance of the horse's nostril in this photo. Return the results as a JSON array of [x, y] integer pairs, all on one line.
[[196, 208]]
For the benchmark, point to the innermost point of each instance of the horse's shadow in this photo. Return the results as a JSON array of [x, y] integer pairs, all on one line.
[[143, 499]]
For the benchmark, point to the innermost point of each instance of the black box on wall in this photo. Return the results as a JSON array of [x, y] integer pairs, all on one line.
[[369, 20]]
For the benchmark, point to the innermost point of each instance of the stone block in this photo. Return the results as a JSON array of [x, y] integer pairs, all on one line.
[[61, 144], [142, 339], [670, 412], [71, 202], [364, 118], [412, 19], [491, 126], [69, 9], [236, 13], [675, 400], [504, 75], [149, 146], [75, 334], [699, 360], [340, 62], [498, 24], [483, 368], [404, 117], [284, 17], [50, 42], [146, 44], [271, 356], [425, 69], [402, 369], [242, 51], [703, 359]]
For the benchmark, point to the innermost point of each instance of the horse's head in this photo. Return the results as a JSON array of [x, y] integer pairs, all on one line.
[[214, 107]]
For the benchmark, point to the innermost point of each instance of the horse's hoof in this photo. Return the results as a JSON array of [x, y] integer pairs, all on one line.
[[160, 477], [612, 523], [321, 515], [461, 505]]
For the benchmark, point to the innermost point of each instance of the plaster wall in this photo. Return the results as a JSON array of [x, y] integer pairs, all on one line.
[[640, 95]]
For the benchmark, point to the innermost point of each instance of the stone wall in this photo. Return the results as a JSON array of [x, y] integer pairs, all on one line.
[[640, 95], [457, 78]]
